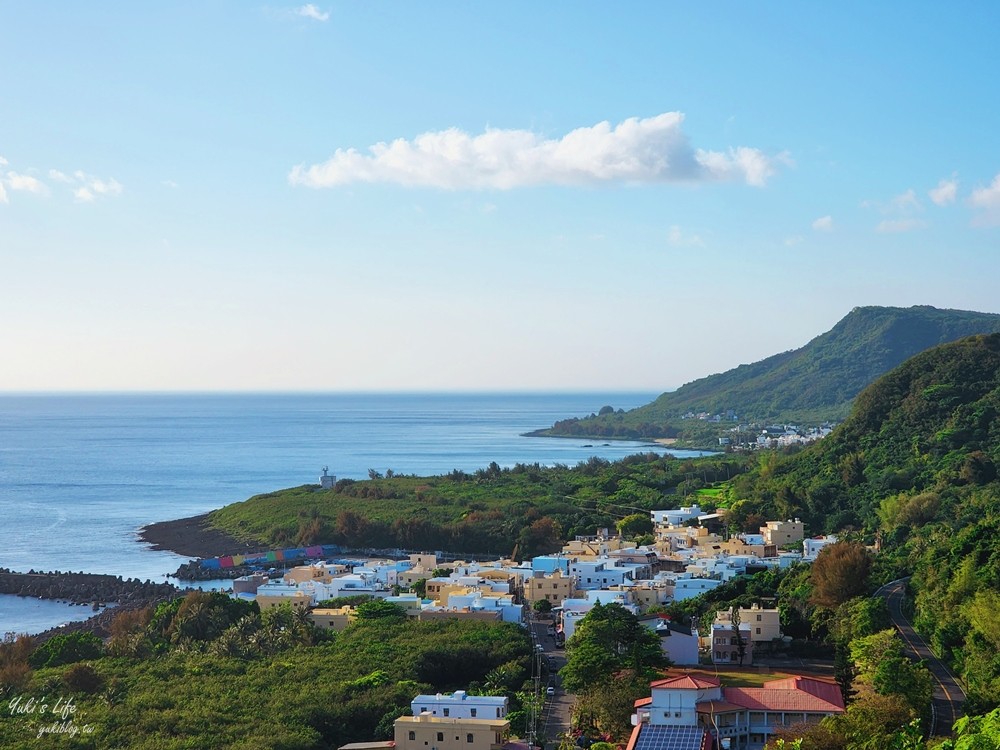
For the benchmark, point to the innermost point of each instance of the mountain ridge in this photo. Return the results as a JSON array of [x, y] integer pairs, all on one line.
[[816, 382]]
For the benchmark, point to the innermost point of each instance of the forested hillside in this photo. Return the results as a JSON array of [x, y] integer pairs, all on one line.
[[491, 511], [814, 383], [915, 467]]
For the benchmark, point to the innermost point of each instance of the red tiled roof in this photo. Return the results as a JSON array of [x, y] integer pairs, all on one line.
[[686, 682], [634, 737], [643, 702], [780, 699], [825, 690], [717, 707]]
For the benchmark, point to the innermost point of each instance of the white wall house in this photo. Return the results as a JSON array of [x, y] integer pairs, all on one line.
[[460, 705]]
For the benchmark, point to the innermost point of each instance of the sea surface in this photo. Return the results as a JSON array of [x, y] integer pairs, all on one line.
[[80, 474]]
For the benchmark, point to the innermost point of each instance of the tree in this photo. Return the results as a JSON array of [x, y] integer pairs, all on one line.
[[377, 609], [839, 573], [607, 640], [542, 606], [635, 525], [741, 646], [67, 649]]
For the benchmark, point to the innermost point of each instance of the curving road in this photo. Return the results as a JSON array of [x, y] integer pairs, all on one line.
[[946, 706]]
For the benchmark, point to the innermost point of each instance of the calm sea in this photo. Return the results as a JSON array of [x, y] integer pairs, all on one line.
[[79, 474]]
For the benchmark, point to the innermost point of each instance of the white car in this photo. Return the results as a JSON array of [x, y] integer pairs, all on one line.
[[550, 690]]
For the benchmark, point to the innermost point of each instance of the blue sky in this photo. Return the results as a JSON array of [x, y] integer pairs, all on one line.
[[545, 196]]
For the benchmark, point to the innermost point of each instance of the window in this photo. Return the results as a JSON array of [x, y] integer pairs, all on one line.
[[440, 736], [468, 738], [413, 735], [423, 708], [473, 713], [758, 631], [758, 618], [447, 711], [498, 713]]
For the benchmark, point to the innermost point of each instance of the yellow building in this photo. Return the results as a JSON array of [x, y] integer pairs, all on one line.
[[320, 572], [298, 600], [765, 624], [426, 732], [555, 588], [333, 618], [780, 533]]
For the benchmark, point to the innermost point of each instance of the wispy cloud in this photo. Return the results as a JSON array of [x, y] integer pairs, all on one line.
[[311, 11], [795, 239], [649, 150], [25, 183], [987, 200], [3, 194], [895, 226], [90, 187], [823, 224], [678, 238], [945, 192]]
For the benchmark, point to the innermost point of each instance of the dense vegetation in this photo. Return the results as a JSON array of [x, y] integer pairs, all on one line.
[[527, 508], [208, 672], [915, 468], [815, 383]]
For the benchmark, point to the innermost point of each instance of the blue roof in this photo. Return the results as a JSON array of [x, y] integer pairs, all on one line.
[[662, 737]]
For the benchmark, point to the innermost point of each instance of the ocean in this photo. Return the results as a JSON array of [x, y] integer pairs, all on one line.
[[80, 474]]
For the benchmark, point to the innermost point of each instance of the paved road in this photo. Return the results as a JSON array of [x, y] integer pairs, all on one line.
[[556, 713], [946, 706]]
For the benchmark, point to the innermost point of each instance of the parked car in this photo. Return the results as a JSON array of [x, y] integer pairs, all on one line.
[[550, 690]]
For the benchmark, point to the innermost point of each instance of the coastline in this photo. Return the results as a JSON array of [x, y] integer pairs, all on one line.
[[191, 537]]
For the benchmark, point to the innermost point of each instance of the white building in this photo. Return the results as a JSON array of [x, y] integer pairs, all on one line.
[[460, 705]]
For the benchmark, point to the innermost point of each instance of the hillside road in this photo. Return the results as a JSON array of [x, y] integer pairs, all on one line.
[[948, 692]]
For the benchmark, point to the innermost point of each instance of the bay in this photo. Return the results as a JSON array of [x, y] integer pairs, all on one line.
[[81, 473]]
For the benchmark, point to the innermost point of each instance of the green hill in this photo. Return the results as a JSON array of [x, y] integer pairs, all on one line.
[[815, 383], [915, 467]]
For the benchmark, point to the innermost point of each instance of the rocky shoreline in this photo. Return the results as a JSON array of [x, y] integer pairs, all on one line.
[[192, 537], [83, 588]]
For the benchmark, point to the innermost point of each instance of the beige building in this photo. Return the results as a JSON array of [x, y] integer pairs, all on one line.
[[737, 547], [555, 588], [320, 572], [298, 600], [426, 732], [765, 624], [332, 618], [780, 533], [592, 546]]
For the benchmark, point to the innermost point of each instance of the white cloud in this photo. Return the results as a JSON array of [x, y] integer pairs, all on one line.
[[650, 150], [987, 199], [26, 183], [311, 11], [3, 162], [945, 192], [89, 188], [905, 203], [3, 194], [895, 226], [823, 224], [794, 240], [678, 238], [55, 174]]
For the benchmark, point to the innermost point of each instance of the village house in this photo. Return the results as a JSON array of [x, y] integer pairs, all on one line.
[[780, 533], [694, 712], [461, 705], [428, 732], [554, 588]]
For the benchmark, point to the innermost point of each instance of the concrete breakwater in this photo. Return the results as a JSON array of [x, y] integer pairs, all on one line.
[[83, 588]]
